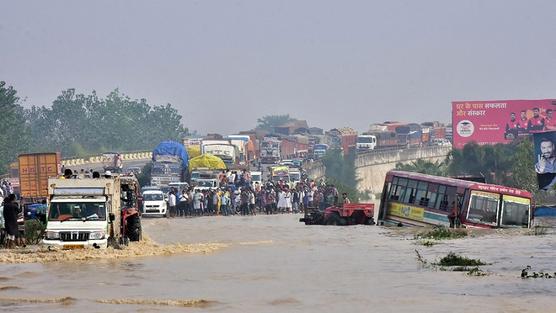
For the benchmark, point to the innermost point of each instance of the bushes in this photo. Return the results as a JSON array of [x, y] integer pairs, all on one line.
[[439, 233], [34, 231]]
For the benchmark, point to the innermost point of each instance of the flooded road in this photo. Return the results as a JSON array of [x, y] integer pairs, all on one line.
[[276, 264]]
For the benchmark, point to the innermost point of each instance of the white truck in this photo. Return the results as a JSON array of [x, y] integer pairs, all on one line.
[[226, 151], [83, 213], [270, 150], [295, 176], [365, 142]]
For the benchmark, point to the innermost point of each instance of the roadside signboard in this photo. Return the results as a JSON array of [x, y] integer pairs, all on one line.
[[500, 121]]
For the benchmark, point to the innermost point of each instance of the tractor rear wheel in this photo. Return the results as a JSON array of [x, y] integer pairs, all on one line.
[[334, 219]]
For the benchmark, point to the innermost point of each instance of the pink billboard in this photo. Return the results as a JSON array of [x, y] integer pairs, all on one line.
[[500, 121]]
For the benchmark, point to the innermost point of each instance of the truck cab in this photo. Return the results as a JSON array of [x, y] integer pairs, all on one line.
[[206, 184], [83, 213], [319, 150], [366, 142]]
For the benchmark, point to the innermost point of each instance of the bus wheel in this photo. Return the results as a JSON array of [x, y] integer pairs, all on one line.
[[370, 221]]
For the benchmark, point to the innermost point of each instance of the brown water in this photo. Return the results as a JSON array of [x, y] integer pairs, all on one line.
[[276, 264]]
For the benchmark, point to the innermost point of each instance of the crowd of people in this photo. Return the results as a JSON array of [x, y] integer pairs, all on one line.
[[247, 198]]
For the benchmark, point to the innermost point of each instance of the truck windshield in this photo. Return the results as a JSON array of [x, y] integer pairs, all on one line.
[[295, 176], [364, 140], [63, 211]]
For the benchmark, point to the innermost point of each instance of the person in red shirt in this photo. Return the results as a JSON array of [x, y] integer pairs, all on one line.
[[549, 120], [536, 123], [512, 127], [523, 120]]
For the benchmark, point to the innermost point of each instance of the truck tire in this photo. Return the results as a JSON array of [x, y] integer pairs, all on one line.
[[334, 219], [133, 229]]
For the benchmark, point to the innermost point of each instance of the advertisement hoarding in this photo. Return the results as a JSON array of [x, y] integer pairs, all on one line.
[[500, 121], [545, 159]]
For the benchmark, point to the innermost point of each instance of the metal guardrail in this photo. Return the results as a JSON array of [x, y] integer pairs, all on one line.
[[98, 158]]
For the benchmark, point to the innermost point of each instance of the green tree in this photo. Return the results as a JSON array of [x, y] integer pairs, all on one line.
[[15, 135], [79, 124], [503, 164], [268, 122], [340, 171], [438, 168]]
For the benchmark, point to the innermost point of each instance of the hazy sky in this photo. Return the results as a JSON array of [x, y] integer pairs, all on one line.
[[223, 64]]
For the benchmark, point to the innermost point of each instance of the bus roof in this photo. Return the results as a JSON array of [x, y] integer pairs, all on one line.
[[461, 183]]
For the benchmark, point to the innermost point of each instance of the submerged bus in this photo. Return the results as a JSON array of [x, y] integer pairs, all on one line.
[[419, 200]]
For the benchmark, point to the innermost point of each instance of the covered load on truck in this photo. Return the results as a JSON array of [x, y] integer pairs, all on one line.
[[207, 161], [170, 163]]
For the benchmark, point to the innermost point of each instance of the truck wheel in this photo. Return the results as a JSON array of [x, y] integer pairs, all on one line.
[[133, 229], [334, 219]]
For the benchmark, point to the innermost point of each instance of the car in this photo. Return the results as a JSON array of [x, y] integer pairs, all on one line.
[[154, 202]]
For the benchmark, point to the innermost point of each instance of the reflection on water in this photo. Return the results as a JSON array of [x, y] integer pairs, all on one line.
[[276, 264]]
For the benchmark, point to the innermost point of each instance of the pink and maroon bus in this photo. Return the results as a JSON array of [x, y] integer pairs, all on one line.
[[417, 199]]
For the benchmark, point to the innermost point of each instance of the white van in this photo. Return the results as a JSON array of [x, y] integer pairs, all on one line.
[[154, 202]]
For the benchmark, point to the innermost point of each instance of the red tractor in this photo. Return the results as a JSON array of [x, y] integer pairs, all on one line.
[[348, 214]]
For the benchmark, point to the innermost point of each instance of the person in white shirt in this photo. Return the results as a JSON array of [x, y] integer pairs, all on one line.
[[172, 203]]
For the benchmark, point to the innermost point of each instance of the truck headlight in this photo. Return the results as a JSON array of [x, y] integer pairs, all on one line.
[[96, 235], [52, 234]]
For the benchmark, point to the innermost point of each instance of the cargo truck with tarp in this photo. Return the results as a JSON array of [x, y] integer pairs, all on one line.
[[170, 162]]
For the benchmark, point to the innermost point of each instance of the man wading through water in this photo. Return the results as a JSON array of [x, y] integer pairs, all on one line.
[[10, 219]]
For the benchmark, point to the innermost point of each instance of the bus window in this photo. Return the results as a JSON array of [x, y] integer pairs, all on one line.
[[431, 195], [409, 196], [515, 211], [442, 199], [483, 208], [397, 190], [421, 197]]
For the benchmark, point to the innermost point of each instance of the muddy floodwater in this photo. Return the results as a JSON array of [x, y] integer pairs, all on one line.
[[276, 264]]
